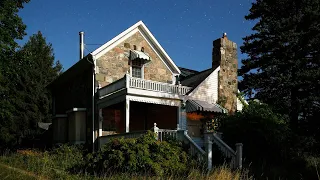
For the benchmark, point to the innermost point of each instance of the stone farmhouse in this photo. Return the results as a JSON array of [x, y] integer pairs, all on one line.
[[130, 83]]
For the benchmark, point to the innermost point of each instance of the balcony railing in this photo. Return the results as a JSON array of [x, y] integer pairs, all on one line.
[[136, 83]]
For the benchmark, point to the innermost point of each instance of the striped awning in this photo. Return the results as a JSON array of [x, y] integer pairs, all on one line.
[[134, 54], [197, 105]]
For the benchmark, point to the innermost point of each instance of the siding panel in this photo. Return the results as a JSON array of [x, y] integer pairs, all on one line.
[[208, 89]]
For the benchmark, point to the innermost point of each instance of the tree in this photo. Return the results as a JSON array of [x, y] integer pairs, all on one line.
[[37, 68], [11, 29], [283, 64]]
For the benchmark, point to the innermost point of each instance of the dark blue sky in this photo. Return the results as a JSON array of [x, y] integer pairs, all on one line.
[[184, 28]]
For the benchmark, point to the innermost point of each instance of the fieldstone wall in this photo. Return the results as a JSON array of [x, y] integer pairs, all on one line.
[[224, 54], [115, 63]]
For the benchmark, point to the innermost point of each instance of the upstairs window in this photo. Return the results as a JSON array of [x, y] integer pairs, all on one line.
[[137, 68]]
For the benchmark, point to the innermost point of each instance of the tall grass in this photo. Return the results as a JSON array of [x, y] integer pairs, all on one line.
[[10, 173], [28, 164]]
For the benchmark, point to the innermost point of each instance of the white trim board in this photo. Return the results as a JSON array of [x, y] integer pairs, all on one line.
[[76, 109], [144, 31], [167, 102]]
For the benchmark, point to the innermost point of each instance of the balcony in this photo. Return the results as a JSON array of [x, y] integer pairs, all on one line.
[[131, 83]]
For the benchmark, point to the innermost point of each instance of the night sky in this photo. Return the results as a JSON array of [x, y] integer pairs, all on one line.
[[184, 28]]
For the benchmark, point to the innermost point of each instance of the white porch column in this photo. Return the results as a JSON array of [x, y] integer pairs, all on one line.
[[209, 153], [127, 108], [179, 125], [100, 122]]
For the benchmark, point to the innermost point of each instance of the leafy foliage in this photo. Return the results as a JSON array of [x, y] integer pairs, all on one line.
[[283, 64], [142, 155], [11, 29]]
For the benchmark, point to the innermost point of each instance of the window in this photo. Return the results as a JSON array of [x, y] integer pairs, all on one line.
[[136, 72], [137, 68]]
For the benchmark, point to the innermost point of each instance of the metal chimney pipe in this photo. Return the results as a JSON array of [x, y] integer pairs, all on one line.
[[81, 33]]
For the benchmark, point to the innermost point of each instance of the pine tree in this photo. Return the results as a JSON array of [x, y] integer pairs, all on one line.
[[283, 64], [37, 68]]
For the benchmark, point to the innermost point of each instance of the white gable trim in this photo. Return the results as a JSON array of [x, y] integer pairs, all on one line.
[[154, 50], [139, 26], [154, 40], [199, 85], [113, 43]]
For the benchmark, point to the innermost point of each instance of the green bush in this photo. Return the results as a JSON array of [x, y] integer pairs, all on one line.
[[142, 155], [264, 134]]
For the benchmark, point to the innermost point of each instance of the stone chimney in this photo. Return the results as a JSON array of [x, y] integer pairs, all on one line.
[[224, 54]]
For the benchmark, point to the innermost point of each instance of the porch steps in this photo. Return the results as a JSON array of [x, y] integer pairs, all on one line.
[[199, 141]]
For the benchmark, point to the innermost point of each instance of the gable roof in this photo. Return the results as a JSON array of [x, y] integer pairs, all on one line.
[[142, 28], [194, 80], [186, 72]]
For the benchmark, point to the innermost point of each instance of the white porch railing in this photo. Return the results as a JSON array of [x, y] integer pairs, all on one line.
[[227, 151], [194, 150], [182, 135], [166, 133], [157, 86], [130, 82]]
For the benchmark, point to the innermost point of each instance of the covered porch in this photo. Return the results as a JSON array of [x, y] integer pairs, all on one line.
[[142, 116], [134, 105]]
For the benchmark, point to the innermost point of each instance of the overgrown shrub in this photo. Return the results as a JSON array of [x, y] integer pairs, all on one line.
[[142, 155]]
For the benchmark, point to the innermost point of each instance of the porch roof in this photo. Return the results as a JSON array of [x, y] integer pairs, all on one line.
[[197, 105]]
